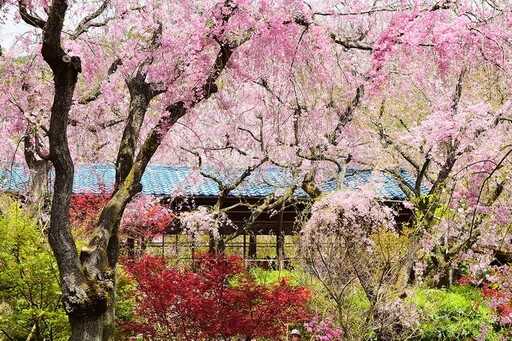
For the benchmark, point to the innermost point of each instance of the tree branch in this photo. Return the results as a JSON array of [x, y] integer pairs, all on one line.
[[347, 115], [421, 175], [263, 83], [347, 43], [131, 177], [351, 43], [87, 23], [458, 91], [250, 133], [31, 19], [308, 185], [97, 92]]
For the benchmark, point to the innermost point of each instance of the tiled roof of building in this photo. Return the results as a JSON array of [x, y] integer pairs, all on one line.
[[163, 180]]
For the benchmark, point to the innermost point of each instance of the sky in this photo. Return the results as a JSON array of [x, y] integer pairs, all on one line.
[[9, 30]]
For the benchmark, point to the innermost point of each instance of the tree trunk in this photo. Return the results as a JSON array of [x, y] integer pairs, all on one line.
[[109, 317], [39, 183], [85, 280], [88, 328], [252, 245], [88, 281]]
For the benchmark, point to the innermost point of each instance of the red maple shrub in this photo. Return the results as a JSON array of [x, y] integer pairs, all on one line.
[[215, 299], [496, 290], [85, 208]]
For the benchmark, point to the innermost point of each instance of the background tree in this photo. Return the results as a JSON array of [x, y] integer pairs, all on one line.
[[351, 248], [455, 142]]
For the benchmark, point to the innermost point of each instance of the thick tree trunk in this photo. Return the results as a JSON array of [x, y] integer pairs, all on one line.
[[88, 328], [85, 281], [88, 280], [109, 318]]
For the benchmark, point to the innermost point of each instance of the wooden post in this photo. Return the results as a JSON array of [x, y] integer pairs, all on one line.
[[280, 242], [252, 245], [130, 245], [244, 247]]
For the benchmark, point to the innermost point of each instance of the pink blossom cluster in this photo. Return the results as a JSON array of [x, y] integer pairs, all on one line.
[[354, 215], [146, 216], [203, 221], [323, 328]]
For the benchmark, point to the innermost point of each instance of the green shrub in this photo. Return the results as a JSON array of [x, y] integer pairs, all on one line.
[[457, 313], [30, 296], [125, 301], [263, 276]]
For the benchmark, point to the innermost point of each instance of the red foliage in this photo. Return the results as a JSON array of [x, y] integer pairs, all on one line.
[[217, 300], [466, 280], [500, 300], [143, 218], [85, 209], [496, 296]]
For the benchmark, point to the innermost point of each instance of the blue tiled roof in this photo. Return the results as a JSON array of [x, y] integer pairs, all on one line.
[[170, 180]]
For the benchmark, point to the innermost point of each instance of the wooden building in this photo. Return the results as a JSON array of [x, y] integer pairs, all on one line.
[[184, 189]]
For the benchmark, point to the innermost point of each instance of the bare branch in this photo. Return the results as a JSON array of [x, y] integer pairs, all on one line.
[[87, 22], [245, 174], [250, 133], [196, 154], [458, 91], [350, 43], [504, 118], [93, 128], [404, 186], [225, 189], [263, 83], [387, 139], [31, 19], [346, 115], [347, 43]]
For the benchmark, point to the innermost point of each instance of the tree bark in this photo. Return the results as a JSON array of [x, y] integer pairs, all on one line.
[[84, 296], [86, 328]]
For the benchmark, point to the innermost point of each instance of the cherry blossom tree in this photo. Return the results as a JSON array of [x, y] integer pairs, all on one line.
[[447, 64], [351, 247], [307, 86]]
